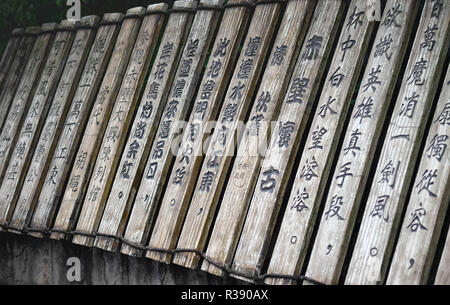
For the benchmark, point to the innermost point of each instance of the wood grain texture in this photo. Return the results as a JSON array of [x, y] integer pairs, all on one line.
[[443, 273], [420, 230], [64, 154], [386, 200], [294, 113], [17, 68], [34, 119], [178, 104], [190, 154], [10, 52], [24, 94], [361, 138], [150, 108], [222, 144], [54, 122], [271, 92], [307, 191], [138, 41]]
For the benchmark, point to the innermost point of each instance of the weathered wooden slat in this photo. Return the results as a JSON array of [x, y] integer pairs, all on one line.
[[137, 149], [9, 54], [24, 94], [307, 191], [135, 71], [360, 141], [54, 122], [283, 146], [64, 154], [395, 167], [272, 89], [35, 118], [222, 144], [422, 225], [17, 68], [206, 106], [149, 109], [443, 273]]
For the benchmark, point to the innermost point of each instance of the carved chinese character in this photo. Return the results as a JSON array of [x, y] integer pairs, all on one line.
[[416, 222], [152, 170], [327, 107], [179, 175], [165, 129], [364, 109], [383, 47], [268, 184], [285, 133], [166, 51], [255, 125], [153, 90], [81, 160], [158, 152], [308, 170], [185, 67], [346, 45], [299, 200], [278, 55], [437, 147], [343, 173], [317, 136], [437, 7], [263, 100], [334, 208], [444, 116], [427, 181], [373, 81], [125, 171], [297, 90], [221, 48], [133, 150], [252, 46], [245, 68], [407, 109], [355, 19], [389, 174], [105, 153], [140, 129], [172, 109], [417, 72], [379, 209], [336, 78], [160, 70], [53, 173], [214, 69], [236, 91], [392, 13], [312, 48], [191, 48], [201, 108], [147, 110], [206, 182], [229, 112], [178, 88], [429, 34]]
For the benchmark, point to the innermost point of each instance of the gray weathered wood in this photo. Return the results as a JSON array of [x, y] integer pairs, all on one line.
[[9, 54], [307, 191], [222, 143], [206, 106], [24, 95], [416, 247], [35, 118], [150, 108], [64, 154], [137, 148], [135, 70], [17, 68], [54, 122], [272, 89], [443, 273], [395, 167], [361, 138], [277, 164]]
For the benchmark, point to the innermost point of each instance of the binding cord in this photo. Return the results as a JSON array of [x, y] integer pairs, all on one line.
[[226, 268]]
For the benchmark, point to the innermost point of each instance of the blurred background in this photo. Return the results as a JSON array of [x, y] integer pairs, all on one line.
[[23, 13]]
